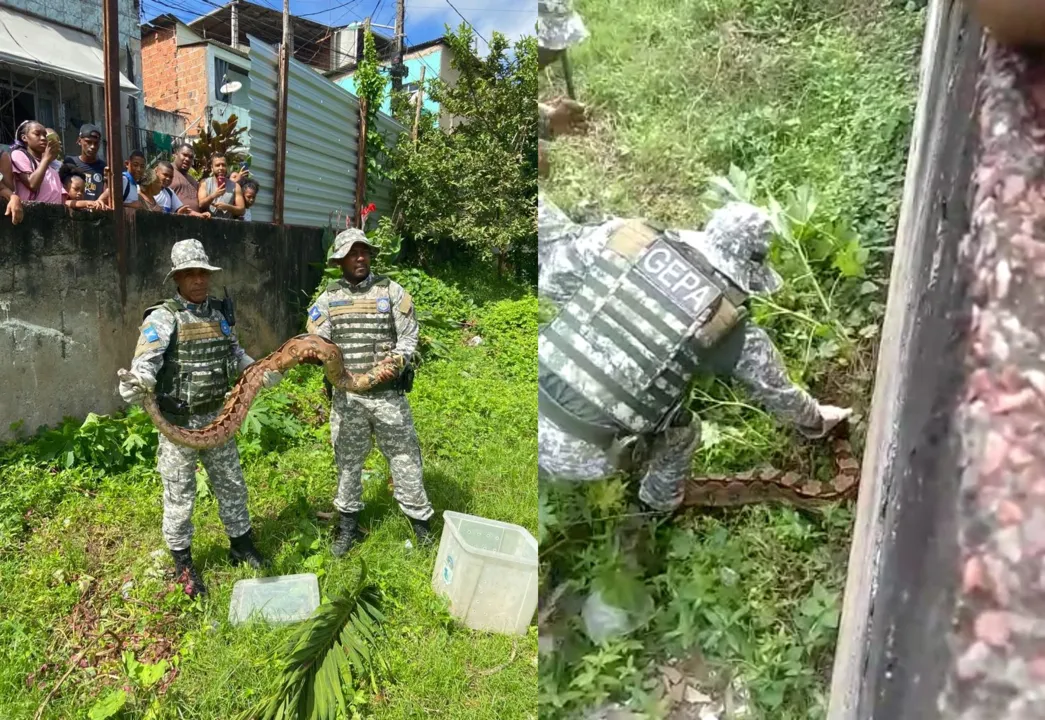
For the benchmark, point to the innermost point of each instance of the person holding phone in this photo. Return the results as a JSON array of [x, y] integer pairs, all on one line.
[[219, 194]]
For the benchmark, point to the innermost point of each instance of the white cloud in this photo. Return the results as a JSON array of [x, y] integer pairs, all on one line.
[[514, 20]]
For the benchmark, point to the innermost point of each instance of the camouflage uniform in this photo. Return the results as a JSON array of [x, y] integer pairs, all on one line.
[[576, 258], [370, 321], [195, 371], [558, 28]]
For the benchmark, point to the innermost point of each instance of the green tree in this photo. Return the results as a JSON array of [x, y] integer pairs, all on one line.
[[476, 185], [370, 85]]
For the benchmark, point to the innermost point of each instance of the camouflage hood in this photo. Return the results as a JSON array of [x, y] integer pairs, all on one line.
[[736, 242], [558, 27]]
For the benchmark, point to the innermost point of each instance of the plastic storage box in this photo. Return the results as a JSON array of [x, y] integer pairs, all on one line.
[[283, 599], [488, 570]]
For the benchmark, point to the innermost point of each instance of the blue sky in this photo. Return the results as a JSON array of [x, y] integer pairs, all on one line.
[[424, 18]]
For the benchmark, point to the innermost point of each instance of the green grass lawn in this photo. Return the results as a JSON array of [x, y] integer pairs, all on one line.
[[792, 93], [71, 539]]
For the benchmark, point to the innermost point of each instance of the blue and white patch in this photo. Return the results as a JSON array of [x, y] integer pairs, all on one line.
[[313, 312], [224, 325], [383, 305], [150, 334]]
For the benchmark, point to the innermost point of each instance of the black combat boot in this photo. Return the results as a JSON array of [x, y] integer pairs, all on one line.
[[348, 533], [422, 532], [185, 573], [242, 550]]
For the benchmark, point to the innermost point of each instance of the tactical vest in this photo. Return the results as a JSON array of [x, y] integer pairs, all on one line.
[[198, 364], [623, 348], [362, 325]]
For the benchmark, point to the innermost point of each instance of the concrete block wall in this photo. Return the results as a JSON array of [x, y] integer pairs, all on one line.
[[87, 15], [64, 331]]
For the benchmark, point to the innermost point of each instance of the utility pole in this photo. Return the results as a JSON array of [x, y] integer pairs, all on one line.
[[398, 71], [361, 151], [282, 101], [420, 102], [111, 50], [234, 8]]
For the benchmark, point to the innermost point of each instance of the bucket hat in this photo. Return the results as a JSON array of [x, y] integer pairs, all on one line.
[[736, 242], [189, 254], [345, 241]]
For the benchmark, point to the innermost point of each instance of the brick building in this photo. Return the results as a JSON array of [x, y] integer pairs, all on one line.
[[186, 64], [51, 65]]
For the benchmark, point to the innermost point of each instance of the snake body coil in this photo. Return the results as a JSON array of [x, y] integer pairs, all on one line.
[[309, 349]]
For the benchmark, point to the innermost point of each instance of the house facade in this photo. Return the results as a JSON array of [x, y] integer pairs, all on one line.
[[52, 67], [187, 65]]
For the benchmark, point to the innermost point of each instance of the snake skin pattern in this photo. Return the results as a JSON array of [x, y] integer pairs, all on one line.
[[772, 485], [309, 349]]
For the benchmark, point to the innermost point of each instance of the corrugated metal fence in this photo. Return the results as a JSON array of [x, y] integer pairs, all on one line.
[[322, 137]]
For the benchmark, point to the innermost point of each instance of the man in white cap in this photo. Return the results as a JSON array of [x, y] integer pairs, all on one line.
[[371, 318], [188, 354]]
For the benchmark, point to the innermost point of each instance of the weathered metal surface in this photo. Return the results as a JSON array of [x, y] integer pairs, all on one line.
[[322, 131], [892, 654]]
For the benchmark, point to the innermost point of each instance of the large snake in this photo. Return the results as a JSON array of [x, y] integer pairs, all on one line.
[[771, 485], [310, 349]]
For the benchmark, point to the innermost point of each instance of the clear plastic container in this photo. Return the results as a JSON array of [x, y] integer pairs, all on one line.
[[283, 599], [488, 570]]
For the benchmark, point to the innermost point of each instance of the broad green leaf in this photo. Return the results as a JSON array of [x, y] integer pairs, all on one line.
[[148, 675], [108, 706]]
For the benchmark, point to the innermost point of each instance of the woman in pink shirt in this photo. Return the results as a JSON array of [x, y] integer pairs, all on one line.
[[32, 160]]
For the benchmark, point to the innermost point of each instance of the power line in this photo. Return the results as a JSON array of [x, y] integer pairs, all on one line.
[[468, 22], [336, 7]]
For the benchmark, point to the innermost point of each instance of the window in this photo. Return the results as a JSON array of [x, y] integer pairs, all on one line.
[[226, 73]]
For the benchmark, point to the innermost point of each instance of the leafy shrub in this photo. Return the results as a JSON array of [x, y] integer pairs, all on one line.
[[510, 329]]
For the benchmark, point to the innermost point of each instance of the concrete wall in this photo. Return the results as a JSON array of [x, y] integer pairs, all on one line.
[[165, 122], [64, 331], [893, 652]]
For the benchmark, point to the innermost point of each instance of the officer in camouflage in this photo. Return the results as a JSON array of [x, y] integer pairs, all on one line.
[[371, 318], [640, 310], [188, 354]]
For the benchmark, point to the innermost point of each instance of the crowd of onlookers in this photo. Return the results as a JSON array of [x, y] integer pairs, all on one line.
[[31, 172]]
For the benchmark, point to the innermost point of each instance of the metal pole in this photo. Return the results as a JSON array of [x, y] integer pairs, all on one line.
[[420, 101], [397, 67], [567, 71], [283, 98], [111, 53], [234, 9]]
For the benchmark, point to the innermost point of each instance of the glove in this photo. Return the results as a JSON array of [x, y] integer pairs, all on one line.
[[830, 417], [132, 388], [272, 378]]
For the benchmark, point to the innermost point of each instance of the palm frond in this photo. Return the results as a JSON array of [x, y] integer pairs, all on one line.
[[330, 651]]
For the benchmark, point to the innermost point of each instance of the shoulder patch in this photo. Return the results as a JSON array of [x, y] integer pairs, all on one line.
[[150, 334], [406, 304], [224, 325], [313, 312], [383, 305]]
